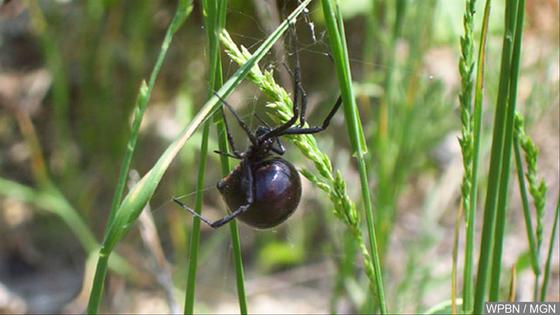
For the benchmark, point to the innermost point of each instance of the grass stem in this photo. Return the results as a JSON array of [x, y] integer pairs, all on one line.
[[194, 240], [489, 219], [337, 39], [503, 193]]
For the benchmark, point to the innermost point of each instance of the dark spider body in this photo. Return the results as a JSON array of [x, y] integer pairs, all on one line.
[[276, 188], [276, 195]]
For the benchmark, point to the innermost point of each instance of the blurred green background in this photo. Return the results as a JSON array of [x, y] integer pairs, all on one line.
[[69, 75]]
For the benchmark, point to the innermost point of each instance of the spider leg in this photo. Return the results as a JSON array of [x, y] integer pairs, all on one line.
[[229, 217], [229, 137], [279, 149], [298, 89], [196, 214], [218, 223], [239, 120], [311, 130], [303, 105], [299, 94], [278, 130], [297, 80], [247, 182]]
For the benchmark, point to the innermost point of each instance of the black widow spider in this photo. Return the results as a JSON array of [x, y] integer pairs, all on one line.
[[264, 189]]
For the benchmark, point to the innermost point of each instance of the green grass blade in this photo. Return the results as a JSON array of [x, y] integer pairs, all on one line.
[[506, 155], [224, 161], [137, 198], [239, 273], [337, 39], [183, 10], [495, 164], [551, 248], [194, 240], [233, 228]]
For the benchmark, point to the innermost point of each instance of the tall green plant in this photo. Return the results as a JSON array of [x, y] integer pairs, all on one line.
[[497, 182], [503, 192]]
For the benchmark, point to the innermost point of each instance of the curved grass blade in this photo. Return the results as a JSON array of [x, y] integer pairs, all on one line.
[[184, 9]]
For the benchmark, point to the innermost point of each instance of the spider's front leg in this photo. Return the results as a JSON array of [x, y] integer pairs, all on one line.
[[241, 123], [298, 85], [311, 130]]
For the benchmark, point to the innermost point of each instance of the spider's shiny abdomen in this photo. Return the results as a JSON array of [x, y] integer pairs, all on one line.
[[277, 192]]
